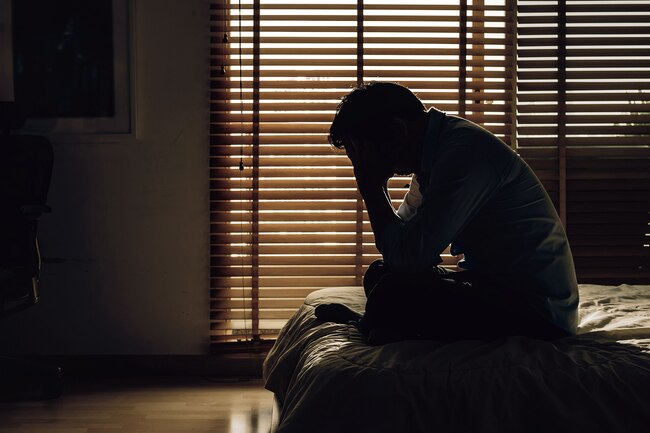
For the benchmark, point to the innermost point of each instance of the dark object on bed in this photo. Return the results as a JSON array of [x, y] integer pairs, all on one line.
[[25, 171], [327, 378]]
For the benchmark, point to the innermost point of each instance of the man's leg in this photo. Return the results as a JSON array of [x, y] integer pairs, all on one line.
[[437, 304], [391, 315], [446, 306], [378, 269], [340, 313], [374, 273]]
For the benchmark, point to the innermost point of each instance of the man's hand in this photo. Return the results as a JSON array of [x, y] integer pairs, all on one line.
[[371, 169]]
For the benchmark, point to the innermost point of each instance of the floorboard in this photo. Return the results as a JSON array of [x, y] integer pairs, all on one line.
[[145, 405]]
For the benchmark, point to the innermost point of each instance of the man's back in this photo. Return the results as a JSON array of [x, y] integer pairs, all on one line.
[[515, 237]]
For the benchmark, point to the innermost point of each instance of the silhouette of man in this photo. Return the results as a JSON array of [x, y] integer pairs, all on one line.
[[470, 190]]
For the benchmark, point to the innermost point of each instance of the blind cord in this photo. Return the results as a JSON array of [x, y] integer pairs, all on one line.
[[241, 167], [226, 40]]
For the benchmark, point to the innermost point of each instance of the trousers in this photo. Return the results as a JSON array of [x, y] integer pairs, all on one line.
[[444, 305]]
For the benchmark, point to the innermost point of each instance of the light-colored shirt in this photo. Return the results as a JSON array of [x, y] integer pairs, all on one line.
[[477, 194]]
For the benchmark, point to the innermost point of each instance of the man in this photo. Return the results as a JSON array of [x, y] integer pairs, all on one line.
[[470, 190]]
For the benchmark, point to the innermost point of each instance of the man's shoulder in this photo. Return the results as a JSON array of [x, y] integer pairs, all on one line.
[[460, 132]]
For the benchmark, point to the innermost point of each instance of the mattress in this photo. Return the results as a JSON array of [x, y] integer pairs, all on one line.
[[327, 379]]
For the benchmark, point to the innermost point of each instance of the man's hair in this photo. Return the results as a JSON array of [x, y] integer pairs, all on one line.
[[366, 111]]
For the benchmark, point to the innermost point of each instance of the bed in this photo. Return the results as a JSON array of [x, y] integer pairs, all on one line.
[[327, 379]]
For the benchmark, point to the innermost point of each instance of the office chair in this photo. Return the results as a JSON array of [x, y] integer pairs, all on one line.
[[25, 172]]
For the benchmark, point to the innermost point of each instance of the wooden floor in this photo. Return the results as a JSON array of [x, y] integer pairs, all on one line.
[[145, 405]]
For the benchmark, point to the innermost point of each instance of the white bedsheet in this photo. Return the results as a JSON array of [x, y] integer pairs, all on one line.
[[328, 380]]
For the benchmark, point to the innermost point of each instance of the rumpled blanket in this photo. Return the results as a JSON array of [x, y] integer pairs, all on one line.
[[327, 379]]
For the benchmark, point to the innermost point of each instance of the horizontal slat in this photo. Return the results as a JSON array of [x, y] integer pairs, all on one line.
[[307, 117], [245, 261], [611, 95], [591, 7], [284, 260], [310, 128], [585, 86], [337, 94], [303, 270], [280, 282], [396, 49], [584, 30], [291, 303], [602, 107], [574, 53], [620, 40], [230, 290], [572, 18], [614, 130], [586, 75], [604, 118], [262, 314], [290, 239], [327, 165], [343, 223], [606, 142], [348, 25], [369, 37], [297, 206], [291, 73], [369, 6], [350, 60], [295, 182], [378, 17]]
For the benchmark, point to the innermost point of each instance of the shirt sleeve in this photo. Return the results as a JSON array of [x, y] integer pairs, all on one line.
[[412, 201], [462, 181]]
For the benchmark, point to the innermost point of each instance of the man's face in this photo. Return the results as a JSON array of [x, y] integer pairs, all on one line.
[[369, 155]]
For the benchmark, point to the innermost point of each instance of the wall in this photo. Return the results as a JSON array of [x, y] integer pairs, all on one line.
[[127, 240]]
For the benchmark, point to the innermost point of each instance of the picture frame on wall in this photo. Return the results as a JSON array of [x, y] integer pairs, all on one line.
[[68, 64]]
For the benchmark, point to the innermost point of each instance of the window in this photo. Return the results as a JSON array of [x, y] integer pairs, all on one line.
[[291, 221], [288, 219]]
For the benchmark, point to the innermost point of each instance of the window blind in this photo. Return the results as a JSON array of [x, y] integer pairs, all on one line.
[[584, 126], [285, 214]]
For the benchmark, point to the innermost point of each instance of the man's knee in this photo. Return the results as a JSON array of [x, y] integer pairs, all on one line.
[[374, 273], [389, 298]]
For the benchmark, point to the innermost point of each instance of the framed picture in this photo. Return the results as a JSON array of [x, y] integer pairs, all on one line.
[[68, 64]]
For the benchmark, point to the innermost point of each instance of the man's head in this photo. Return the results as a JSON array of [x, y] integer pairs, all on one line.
[[386, 115]]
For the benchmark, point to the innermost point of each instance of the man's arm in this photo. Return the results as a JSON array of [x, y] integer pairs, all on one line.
[[462, 181], [372, 173], [380, 209]]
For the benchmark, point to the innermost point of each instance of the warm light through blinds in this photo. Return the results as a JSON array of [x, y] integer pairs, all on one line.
[[292, 222]]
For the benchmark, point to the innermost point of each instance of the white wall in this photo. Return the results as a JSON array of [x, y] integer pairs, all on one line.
[[130, 216]]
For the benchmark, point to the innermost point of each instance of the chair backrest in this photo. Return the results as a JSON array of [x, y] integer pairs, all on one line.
[[25, 172]]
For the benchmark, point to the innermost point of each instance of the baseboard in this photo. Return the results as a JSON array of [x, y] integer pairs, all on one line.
[[224, 365]]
